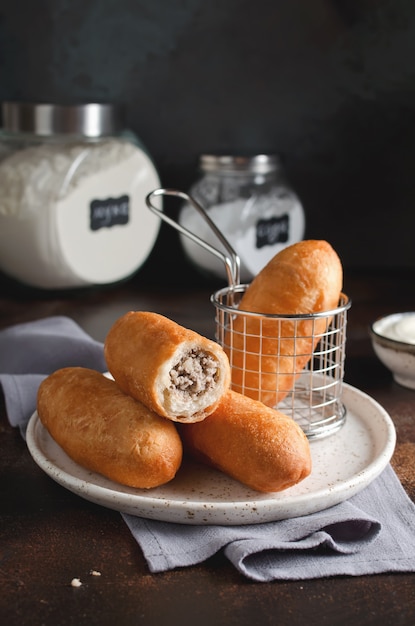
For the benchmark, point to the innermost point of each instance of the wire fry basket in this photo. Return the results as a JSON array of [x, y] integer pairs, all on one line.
[[291, 362]]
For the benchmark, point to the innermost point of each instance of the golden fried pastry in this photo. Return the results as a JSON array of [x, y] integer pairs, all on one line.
[[176, 372], [106, 431], [268, 355], [253, 443]]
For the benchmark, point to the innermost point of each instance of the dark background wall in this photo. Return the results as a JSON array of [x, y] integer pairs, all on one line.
[[328, 84]]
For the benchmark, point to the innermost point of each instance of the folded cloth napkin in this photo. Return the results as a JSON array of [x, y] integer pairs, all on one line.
[[372, 532], [31, 351]]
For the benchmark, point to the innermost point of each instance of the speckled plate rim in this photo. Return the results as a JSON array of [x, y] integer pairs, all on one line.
[[343, 464]]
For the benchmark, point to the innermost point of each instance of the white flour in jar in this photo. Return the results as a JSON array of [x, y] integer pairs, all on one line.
[[36, 176], [239, 221], [46, 193]]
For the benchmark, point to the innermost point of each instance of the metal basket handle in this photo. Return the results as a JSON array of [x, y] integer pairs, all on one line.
[[232, 262]]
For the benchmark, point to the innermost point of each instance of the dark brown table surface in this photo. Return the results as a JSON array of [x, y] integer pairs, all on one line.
[[48, 535]]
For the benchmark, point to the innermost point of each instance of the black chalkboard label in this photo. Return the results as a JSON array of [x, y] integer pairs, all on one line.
[[271, 231], [108, 212]]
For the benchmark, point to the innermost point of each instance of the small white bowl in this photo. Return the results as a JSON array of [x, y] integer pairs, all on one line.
[[393, 340]]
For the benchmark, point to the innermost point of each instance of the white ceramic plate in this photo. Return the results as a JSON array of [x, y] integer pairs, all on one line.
[[343, 464]]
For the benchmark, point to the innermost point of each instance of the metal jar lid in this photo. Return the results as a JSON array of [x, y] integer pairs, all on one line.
[[256, 164], [89, 120]]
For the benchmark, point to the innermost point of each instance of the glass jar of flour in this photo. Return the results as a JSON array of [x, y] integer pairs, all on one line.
[[73, 184], [252, 204]]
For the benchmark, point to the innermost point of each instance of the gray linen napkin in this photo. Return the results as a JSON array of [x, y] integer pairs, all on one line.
[[372, 532], [31, 351]]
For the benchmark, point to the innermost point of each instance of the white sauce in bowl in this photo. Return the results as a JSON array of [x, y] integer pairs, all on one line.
[[400, 327]]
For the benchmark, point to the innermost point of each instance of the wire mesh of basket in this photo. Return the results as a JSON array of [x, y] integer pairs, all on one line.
[[292, 362]]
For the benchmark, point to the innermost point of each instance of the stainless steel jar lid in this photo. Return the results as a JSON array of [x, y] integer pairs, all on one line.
[[256, 164], [89, 120]]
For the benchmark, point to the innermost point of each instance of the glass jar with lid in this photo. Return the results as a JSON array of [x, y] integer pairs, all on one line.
[[252, 204], [73, 183]]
